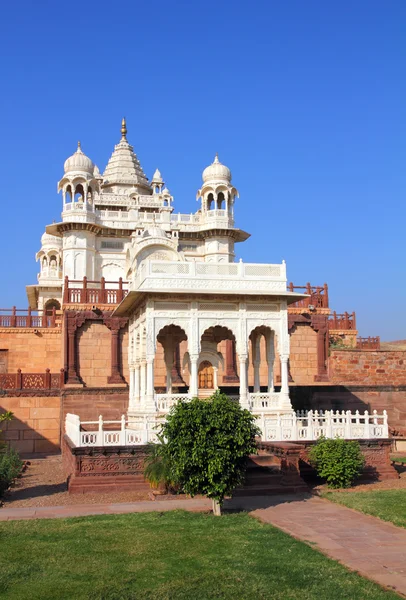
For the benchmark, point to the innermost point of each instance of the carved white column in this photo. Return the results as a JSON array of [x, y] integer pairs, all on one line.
[[136, 383], [284, 374], [143, 380], [193, 389], [270, 359], [215, 378], [168, 378], [244, 401], [149, 397]]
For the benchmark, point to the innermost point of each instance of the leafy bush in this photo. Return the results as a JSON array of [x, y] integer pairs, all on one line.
[[208, 443], [10, 468], [337, 461], [157, 466]]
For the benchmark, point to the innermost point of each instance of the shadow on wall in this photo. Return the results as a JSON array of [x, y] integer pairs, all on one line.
[[329, 397], [30, 436]]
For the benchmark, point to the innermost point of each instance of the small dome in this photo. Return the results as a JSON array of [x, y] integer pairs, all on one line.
[[79, 162], [216, 171], [166, 192], [155, 232], [51, 240], [157, 177]]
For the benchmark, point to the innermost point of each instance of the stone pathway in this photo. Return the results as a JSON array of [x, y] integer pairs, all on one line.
[[362, 543]]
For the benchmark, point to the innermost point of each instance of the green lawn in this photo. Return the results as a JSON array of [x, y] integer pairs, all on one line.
[[399, 459], [389, 505], [173, 555]]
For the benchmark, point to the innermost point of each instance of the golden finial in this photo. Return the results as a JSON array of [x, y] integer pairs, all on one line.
[[123, 128]]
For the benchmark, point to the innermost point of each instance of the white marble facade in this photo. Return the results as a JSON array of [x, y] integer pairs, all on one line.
[[179, 269]]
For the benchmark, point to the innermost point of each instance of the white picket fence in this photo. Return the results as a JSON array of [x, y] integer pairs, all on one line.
[[289, 427]]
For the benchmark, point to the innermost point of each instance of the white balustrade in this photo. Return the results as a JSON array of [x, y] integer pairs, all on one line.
[[164, 402], [275, 427]]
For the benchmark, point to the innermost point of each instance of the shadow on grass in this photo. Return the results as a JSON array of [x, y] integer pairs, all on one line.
[[249, 503]]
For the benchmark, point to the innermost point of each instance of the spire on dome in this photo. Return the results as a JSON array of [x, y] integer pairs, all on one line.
[[124, 169], [123, 129]]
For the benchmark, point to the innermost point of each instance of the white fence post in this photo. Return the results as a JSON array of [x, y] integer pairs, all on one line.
[[385, 432], [367, 434], [347, 425], [310, 425], [122, 436], [100, 439]]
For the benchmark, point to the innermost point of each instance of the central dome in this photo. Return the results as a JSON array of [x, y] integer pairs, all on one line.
[[216, 172], [155, 232], [79, 162]]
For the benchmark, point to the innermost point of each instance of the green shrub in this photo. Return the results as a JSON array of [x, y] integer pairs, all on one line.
[[208, 443], [10, 468], [337, 461], [157, 466]]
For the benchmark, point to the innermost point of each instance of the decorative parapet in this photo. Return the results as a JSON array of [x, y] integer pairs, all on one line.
[[32, 381], [213, 277], [28, 319], [97, 293]]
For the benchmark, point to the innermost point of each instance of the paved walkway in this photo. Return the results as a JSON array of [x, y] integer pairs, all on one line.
[[372, 547], [362, 543]]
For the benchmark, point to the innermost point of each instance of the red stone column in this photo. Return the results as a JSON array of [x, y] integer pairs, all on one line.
[[115, 376], [72, 373], [115, 324], [231, 367]]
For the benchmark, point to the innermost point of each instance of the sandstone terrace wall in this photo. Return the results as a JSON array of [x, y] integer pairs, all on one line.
[[32, 352], [367, 367], [36, 425]]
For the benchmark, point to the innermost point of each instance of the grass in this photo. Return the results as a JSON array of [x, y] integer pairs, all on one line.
[[399, 459], [388, 505], [174, 555]]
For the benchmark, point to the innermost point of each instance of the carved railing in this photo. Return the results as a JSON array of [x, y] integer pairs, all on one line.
[[36, 319], [32, 381], [318, 296], [345, 321], [94, 292], [290, 427], [369, 343], [312, 425]]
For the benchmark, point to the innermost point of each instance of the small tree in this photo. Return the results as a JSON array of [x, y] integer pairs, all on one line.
[[10, 462], [208, 442], [337, 461]]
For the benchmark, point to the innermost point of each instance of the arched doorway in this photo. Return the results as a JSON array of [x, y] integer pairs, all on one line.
[[51, 305], [206, 375]]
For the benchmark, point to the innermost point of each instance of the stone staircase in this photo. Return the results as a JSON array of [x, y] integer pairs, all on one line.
[[264, 477], [203, 393]]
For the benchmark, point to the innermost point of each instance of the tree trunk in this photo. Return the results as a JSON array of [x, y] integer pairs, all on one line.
[[216, 508]]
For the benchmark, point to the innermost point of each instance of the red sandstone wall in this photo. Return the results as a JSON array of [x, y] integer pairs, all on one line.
[[36, 424], [32, 352], [367, 367], [303, 355], [94, 353], [89, 405]]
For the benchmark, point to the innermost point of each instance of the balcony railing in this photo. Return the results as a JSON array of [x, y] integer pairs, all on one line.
[[32, 381], [345, 321], [94, 292], [369, 343], [217, 276], [318, 296], [36, 319]]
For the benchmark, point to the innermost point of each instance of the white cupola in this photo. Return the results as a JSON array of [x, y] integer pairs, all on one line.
[[217, 192], [216, 172], [81, 179], [79, 163]]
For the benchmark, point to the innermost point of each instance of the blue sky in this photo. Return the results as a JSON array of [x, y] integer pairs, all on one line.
[[304, 101]]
